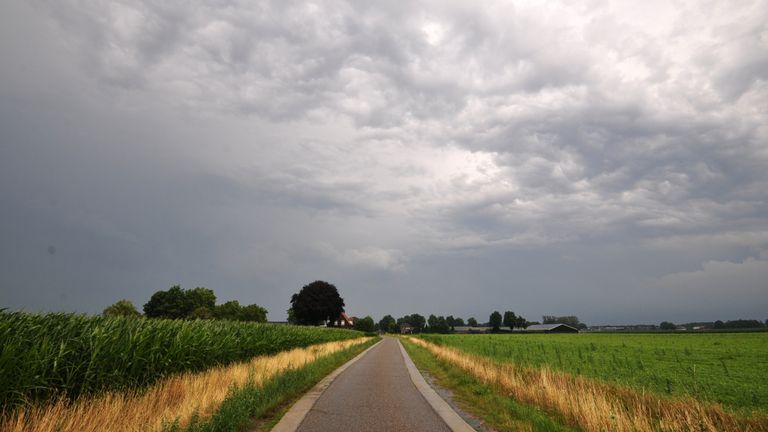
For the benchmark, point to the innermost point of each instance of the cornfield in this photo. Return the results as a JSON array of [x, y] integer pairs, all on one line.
[[48, 356]]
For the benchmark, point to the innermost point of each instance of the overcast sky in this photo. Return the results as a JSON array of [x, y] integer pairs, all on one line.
[[602, 159]]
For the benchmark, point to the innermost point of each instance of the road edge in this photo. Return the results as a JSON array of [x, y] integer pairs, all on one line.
[[441, 407], [295, 415]]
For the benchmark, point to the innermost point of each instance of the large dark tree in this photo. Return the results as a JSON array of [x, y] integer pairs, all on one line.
[[316, 303], [472, 322]]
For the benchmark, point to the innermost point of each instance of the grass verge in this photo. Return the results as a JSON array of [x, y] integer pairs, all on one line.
[[265, 403], [500, 412]]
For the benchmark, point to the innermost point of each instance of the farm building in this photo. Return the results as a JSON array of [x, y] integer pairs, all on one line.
[[551, 328], [406, 328], [344, 321], [467, 329]]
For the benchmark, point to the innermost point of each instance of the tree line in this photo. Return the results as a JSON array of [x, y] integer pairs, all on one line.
[[447, 324], [317, 303], [716, 325], [195, 303]]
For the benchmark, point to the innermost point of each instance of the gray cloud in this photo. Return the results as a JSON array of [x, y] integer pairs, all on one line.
[[603, 160]]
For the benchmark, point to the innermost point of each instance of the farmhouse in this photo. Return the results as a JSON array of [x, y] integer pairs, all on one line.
[[406, 328], [551, 328], [344, 321]]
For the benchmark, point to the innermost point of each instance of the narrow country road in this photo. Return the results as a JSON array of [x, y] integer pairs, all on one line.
[[374, 394]]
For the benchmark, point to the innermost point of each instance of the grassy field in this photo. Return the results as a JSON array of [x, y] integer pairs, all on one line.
[[53, 355], [583, 402], [729, 368]]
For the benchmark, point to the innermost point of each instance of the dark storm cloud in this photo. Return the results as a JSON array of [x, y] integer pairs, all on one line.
[[405, 151]]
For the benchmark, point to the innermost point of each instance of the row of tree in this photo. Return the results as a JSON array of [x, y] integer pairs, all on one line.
[[195, 303], [442, 324], [716, 325]]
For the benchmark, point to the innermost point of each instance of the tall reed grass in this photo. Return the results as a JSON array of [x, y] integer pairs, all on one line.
[[174, 400], [597, 406], [49, 356]]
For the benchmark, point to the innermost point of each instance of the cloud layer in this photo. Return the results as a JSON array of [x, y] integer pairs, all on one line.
[[426, 156]]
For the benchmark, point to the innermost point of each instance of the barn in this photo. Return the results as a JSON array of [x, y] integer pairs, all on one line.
[[551, 328]]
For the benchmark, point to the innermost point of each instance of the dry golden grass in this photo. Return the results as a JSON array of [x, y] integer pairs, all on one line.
[[177, 397], [597, 406]]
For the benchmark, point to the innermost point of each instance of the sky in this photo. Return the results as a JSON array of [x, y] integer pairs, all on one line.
[[601, 159]]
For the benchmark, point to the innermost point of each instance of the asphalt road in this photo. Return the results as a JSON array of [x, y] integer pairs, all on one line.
[[374, 394]]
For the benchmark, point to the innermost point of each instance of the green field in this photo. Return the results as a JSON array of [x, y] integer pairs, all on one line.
[[43, 356], [730, 368]]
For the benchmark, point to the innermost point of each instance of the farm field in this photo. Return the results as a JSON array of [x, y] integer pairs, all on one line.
[[618, 402], [217, 399], [728, 368], [65, 355]]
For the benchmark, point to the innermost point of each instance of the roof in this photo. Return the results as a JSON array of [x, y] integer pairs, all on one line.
[[461, 329], [547, 327]]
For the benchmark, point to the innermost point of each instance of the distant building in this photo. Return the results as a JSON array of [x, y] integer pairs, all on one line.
[[344, 321], [551, 328], [406, 328], [468, 329]]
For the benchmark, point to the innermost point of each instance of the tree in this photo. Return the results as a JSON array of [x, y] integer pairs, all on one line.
[[179, 303], [168, 304], [510, 319], [386, 323], [666, 325], [121, 308], [416, 321], [743, 323], [718, 325], [228, 311], [451, 321], [394, 328], [521, 322], [432, 322], [253, 312], [458, 322], [442, 325], [200, 297], [495, 321], [316, 303], [472, 322], [364, 324]]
